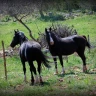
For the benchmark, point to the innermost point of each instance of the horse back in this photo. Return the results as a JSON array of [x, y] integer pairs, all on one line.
[[29, 50], [79, 40]]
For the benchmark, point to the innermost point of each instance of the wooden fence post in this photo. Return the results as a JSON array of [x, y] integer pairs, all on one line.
[[4, 57], [89, 42]]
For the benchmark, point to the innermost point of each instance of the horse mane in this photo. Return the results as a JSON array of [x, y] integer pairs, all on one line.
[[55, 36], [23, 36]]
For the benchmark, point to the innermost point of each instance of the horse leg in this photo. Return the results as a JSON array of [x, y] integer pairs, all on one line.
[[31, 70], [34, 70], [39, 71], [61, 61], [24, 70], [32, 77], [84, 61], [55, 61]]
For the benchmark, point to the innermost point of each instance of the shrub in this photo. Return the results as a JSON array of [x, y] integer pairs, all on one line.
[[53, 17], [61, 30]]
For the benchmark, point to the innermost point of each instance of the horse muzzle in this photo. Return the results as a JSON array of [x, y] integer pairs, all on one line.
[[51, 43], [11, 45]]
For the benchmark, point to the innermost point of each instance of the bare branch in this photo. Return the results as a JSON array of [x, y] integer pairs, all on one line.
[[30, 32], [37, 28], [24, 16]]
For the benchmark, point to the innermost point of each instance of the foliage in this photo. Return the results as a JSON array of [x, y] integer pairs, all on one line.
[[59, 29], [94, 8], [17, 7], [55, 17], [6, 19]]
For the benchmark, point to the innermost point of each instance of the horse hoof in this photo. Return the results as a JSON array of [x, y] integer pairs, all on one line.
[[31, 84], [62, 73], [55, 73], [84, 69], [41, 83], [36, 82], [25, 82]]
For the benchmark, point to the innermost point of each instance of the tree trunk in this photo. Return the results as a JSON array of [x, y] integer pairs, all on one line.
[[40, 9], [41, 13], [68, 5]]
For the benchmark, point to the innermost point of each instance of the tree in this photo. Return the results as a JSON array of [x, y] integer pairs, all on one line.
[[21, 8], [15, 8]]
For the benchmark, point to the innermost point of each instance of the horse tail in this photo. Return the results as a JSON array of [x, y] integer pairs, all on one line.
[[44, 59], [87, 43]]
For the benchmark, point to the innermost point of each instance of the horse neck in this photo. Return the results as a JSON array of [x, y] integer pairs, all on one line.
[[56, 38], [23, 40]]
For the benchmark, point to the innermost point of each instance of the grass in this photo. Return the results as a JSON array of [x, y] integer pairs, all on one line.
[[73, 83], [84, 25]]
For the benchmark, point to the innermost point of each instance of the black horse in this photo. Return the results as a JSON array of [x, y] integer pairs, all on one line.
[[66, 46], [29, 51]]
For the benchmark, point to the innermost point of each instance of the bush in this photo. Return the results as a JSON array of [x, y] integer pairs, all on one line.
[[61, 30], [53, 17], [94, 8], [6, 19]]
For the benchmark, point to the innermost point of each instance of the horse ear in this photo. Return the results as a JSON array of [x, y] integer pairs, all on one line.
[[45, 29], [15, 31]]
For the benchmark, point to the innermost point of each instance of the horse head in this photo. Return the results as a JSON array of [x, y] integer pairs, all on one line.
[[49, 36], [18, 38]]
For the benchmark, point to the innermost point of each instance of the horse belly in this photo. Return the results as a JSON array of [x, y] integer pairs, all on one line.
[[69, 50], [22, 56]]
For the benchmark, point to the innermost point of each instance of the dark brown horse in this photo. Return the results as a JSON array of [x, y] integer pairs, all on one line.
[[66, 46], [29, 51]]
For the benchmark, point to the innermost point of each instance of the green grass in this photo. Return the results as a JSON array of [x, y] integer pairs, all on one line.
[[73, 83], [84, 25]]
